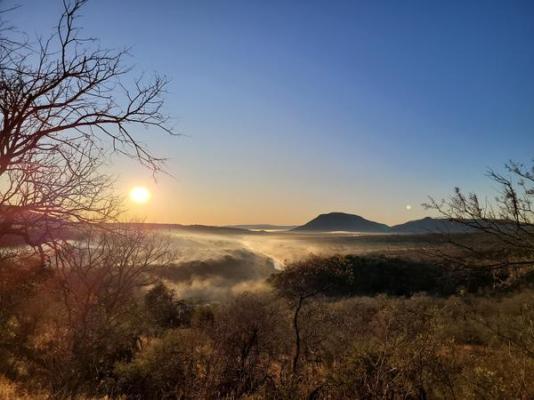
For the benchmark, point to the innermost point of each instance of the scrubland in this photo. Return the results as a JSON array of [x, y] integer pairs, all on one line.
[[330, 327]]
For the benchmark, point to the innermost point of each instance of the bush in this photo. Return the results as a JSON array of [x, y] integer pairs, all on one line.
[[175, 366]]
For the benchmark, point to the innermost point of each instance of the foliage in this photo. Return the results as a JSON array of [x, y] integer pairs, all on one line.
[[351, 347], [164, 310], [360, 276], [174, 366]]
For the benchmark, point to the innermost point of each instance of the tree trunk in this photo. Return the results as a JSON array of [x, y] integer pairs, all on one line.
[[297, 333]]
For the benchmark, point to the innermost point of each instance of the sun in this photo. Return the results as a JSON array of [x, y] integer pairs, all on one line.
[[140, 194]]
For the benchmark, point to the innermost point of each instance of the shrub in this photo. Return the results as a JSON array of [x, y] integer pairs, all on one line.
[[174, 366]]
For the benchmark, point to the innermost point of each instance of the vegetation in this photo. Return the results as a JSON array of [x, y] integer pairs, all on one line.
[[87, 318], [372, 337]]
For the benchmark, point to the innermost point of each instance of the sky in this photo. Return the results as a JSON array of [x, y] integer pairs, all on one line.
[[288, 109]]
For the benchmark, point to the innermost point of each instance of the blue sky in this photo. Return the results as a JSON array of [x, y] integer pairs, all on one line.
[[291, 108]]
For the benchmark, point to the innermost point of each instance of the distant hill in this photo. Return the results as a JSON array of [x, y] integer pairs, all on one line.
[[19, 226], [430, 225], [263, 227], [337, 221], [191, 228], [20, 215]]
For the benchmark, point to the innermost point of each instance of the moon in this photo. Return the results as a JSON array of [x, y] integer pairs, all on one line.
[[140, 194]]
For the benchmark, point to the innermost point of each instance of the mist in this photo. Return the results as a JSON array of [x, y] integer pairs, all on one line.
[[211, 267]]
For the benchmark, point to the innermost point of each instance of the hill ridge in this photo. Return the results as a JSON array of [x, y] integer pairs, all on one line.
[[341, 221]]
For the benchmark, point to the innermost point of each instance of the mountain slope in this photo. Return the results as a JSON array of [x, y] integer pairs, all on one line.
[[430, 225], [337, 221]]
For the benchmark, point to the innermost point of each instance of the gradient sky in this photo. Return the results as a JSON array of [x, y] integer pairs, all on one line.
[[293, 108]]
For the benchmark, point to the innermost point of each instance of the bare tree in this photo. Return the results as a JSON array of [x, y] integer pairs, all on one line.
[[107, 268], [300, 282], [43, 196], [505, 226], [64, 101], [96, 283]]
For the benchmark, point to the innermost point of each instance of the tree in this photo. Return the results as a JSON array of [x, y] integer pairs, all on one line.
[[64, 104], [340, 276], [93, 319], [508, 220], [505, 226], [164, 309], [304, 280]]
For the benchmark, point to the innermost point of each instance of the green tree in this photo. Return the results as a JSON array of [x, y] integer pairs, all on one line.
[[164, 310]]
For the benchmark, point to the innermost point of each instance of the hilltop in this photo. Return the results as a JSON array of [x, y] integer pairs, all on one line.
[[338, 221]]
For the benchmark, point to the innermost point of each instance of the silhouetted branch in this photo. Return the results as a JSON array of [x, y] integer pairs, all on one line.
[[504, 227], [63, 101]]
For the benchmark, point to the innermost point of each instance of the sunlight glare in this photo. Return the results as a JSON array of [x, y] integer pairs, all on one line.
[[140, 195]]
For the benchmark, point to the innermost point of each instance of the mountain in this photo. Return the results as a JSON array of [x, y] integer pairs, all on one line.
[[337, 221], [430, 225]]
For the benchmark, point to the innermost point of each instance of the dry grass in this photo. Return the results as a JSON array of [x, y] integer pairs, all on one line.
[[10, 391]]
